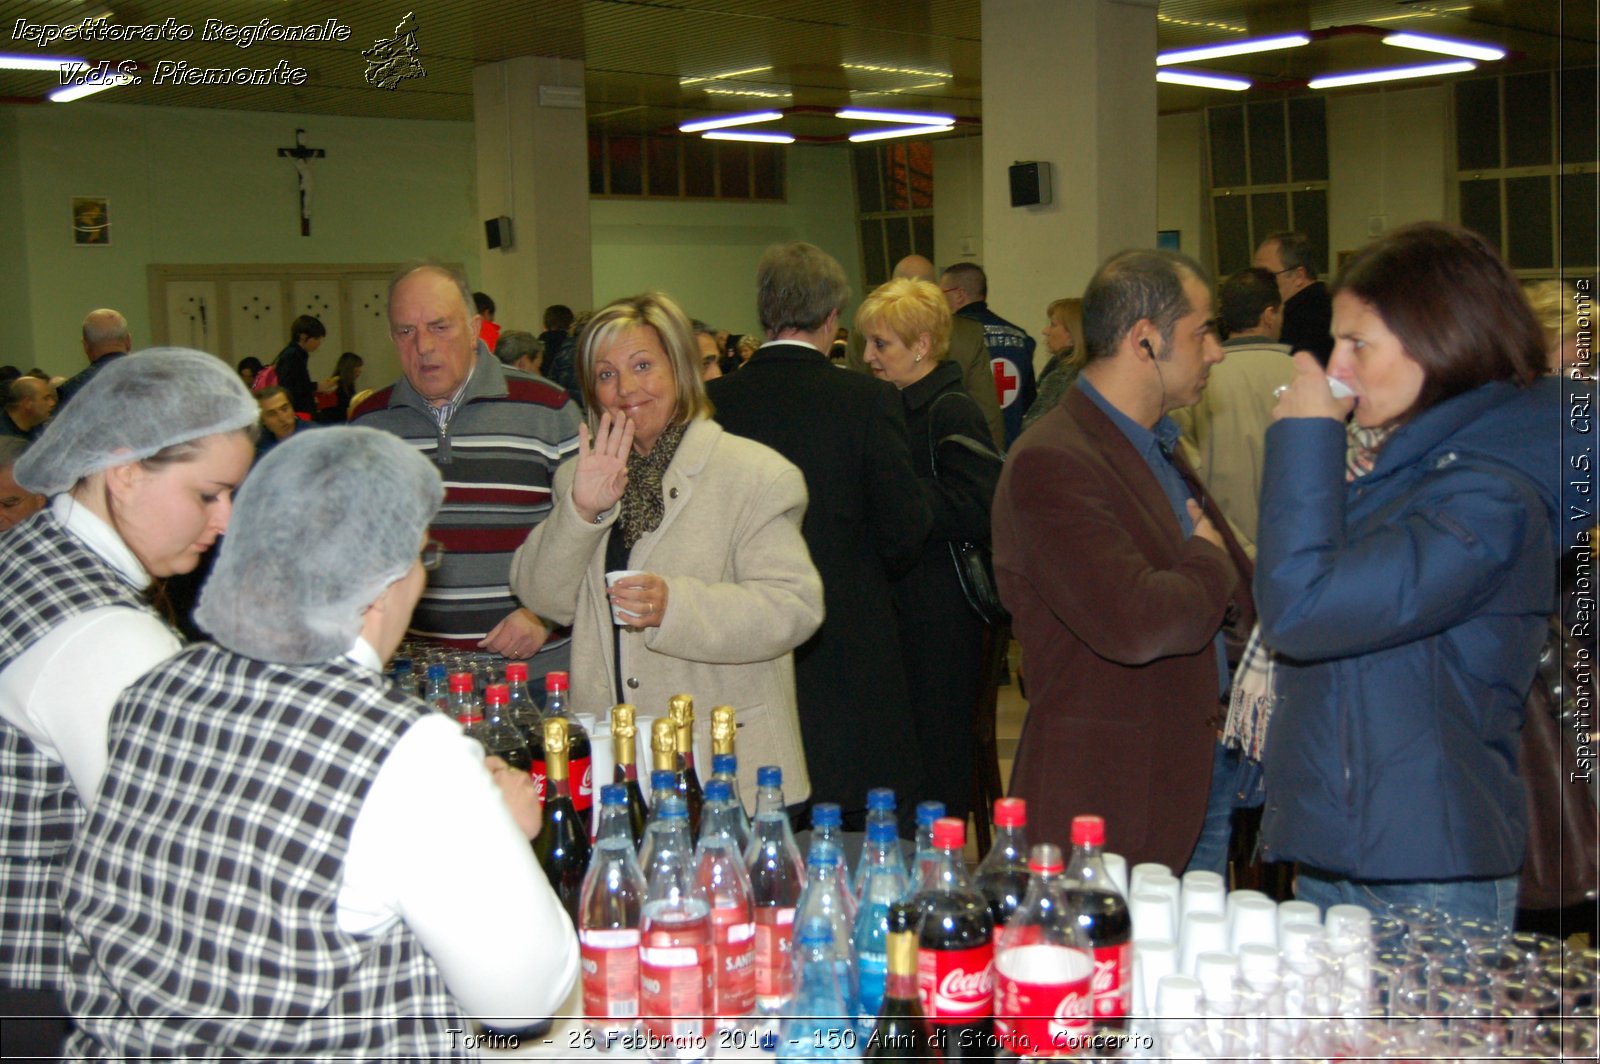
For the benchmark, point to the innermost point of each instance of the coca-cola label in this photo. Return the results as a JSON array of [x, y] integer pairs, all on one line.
[[582, 774], [541, 782], [675, 990], [956, 985], [1113, 981], [733, 951], [1043, 1000], [774, 941], [610, 962]]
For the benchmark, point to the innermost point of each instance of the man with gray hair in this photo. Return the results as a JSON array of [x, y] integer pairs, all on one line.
[[1307, 307], [105, 339], [519, 349], [497, 435], [29, 402], [865, 525], [1118, 580]]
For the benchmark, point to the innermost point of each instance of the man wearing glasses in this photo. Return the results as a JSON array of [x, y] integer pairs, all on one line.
[[1307, 307]]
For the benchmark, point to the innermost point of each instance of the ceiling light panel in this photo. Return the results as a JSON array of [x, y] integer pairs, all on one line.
[[899, 131], [1202, 81], [699, 125], [49, 63], [1368, 77], [1445, 46], [865, 114], [758, 138], [1227, 48]]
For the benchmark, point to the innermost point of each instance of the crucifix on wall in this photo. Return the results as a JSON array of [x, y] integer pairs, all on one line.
[[301, 156]]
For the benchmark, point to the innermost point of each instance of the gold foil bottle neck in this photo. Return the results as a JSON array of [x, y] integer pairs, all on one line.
[[902, 950], [623, 732], [664, 743], [723, 730], [555, 748]]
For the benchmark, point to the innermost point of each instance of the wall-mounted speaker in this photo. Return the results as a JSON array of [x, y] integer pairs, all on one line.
[[1030, 184], [498, 232]]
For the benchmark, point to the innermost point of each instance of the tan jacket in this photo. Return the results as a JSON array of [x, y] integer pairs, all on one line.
[[742, 593]]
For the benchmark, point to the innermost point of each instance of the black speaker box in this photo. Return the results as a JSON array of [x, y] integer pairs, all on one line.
[[1030, 184], [498, 232]]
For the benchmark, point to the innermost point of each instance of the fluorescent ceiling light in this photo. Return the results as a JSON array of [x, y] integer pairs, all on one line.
[[898, 131], [943, 75], [1202, 81], [729, 74], [1217, 51], [759, 94], [759, 138], [916, 118], [1445, 46], [38, 62], [1336, 81], [722, 121], [78, 92]]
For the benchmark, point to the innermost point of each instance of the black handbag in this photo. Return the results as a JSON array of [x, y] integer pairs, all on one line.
[[974, 564]]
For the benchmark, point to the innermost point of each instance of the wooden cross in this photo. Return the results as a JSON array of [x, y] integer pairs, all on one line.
[[302, 156]]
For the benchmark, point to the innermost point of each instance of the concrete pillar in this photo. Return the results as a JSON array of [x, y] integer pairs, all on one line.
[[1072, 84], [533, 166]]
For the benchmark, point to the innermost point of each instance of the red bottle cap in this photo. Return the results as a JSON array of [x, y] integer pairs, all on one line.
[[555, 681], [1010, 813], [497, 694], [461, 681], [517, 672], [949, 833], [1088, 831], [1045, 860]]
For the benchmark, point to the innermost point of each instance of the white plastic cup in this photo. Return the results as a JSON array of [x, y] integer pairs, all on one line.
[[622, 617], [1168, 887], [1216, 972], [1137, 873], [1203, 892], [1258, 964], [1201, 933], [1351, 923], [1152, 959], [1297, 912], [1153, 917], [1178, 1002], [1253, 922], [1116, 867]]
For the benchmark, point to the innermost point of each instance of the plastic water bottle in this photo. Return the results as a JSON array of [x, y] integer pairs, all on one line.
[[663, 785], [725, 767], [675, 944], [610, 911], [827, 823], [883, 883], [817, 1025], [826, 895], [880, 807], [719, 864], [776, 879], [436, 688], [927, 813]]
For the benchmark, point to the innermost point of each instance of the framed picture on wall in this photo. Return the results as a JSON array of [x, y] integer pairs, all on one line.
[[1169, 239], [91, 221]]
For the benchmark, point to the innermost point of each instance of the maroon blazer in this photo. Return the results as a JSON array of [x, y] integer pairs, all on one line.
[[1116, 611]]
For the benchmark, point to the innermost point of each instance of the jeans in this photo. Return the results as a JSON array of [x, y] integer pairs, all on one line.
[[1490, 900], [1235, 784]]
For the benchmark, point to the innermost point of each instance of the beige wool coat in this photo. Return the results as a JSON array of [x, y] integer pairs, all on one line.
[[742, 593]]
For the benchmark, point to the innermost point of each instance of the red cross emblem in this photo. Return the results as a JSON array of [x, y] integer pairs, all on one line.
[[1005, 381]]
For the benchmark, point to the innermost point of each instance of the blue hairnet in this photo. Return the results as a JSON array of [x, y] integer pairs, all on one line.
[[139, 405], [321, 526]]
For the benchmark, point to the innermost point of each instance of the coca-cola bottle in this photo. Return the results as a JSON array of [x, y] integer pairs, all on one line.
[[776, 879], [720, 867], [675, 974], [1003, 873], [1102, 913], [520, 706], [955, 949], [680, 710], [625, 773], [562, 845], [579, 752], [610, 911], [902, 1031], [464, 704], [663, 785], [496, 732], [927, 813], [1043, 1003]]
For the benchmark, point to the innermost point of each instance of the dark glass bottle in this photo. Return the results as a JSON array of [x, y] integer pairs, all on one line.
[[563, 843], [624, 736], [680, 710], [903, 1031], [496, 732]]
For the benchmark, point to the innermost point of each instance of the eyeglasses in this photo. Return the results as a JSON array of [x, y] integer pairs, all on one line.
[[432, 554]]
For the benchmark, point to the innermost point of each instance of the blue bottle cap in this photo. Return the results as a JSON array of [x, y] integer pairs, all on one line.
[[825, 815], [718, 791], [663, 779], [881, 831], [769, 776], [928, 812], [880, 799], [724, 764], [613, 794], [673, 808], [400, 664], [437, 672]]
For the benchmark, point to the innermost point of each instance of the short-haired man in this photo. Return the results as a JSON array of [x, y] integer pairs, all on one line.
[[967, 350], [106, 338], [278, 419], [488, 331], [705, 339], [519, 349], [1228, 426], [29, 402], [497, 435], [864, 527], [293, 363], [966, 289], [1307, 307], [1118, 582], [16, 502]]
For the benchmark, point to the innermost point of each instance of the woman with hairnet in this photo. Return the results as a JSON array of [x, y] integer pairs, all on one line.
[[140, 469], [287, 855]]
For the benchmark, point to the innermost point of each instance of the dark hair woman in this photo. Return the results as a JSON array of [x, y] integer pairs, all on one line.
[[342, 386]]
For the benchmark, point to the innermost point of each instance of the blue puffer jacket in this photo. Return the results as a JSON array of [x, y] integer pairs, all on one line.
[[1409, 607]]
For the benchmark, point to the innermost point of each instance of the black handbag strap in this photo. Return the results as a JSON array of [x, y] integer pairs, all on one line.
[[975, 446]]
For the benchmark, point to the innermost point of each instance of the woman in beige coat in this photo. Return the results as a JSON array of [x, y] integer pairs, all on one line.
[[724, 588]]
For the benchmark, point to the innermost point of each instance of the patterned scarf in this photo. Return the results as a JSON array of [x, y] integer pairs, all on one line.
[[642, 504], [1255, 692]]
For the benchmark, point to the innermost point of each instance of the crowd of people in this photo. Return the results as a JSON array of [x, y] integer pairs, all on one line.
[[1202, 526]]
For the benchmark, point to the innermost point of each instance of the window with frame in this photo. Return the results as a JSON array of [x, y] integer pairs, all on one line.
[[894, 204], [1526, 150], [682, 167], [1269, 173]]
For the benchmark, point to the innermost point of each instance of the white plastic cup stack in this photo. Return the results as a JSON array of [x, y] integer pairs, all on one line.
[[1302, 912], [1116, 867], [1200, 933], [1138, 872], [1349, 931], [643, 756], [1203, 892], [1168, 887], [1153, 918], [1217, 974], [1252, 921], [1152, 960], [1180, 1002], [602, 761]]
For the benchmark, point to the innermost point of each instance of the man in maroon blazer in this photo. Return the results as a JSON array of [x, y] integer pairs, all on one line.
[[1119, 582]]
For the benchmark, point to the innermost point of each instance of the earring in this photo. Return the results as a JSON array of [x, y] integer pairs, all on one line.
[[917, 359]]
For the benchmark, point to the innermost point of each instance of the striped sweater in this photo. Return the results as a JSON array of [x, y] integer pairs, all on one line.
[[498, 455]]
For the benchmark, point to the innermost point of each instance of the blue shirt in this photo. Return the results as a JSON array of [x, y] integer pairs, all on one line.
[[1154, 445]]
